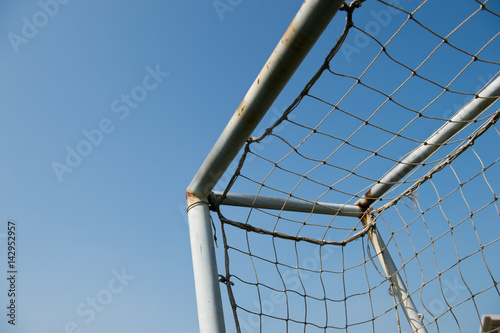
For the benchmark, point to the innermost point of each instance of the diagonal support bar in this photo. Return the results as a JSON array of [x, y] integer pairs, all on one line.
[[289, 204], [465, 115], [397, 284]]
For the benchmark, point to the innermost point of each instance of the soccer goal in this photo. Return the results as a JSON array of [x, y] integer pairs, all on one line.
[[371, 203]]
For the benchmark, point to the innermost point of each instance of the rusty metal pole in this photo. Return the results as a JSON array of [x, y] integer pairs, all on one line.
[[309, 23]]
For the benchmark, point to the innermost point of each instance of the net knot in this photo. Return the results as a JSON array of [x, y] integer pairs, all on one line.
[[225, 280], [213, 205], [350, 6]]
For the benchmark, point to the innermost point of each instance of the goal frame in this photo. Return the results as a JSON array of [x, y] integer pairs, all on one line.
[[307, 26]]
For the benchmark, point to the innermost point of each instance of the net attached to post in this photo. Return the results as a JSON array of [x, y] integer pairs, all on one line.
[[389, 86]]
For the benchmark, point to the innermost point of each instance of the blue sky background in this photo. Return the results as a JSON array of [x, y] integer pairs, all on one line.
[[120, 211]]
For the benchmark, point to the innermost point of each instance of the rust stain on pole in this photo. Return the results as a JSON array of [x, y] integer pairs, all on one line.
[[192, 199], [366, 201]]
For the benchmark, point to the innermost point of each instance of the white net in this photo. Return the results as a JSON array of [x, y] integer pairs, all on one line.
[[397, 74]]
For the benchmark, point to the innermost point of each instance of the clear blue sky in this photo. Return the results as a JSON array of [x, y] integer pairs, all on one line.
[[122, 205], [108, 108]]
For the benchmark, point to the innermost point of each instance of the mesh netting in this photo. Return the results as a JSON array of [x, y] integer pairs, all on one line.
[[398, 72]]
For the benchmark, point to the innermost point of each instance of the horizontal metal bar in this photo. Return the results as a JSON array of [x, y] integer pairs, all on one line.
[[311, 20], [470, 111], [289, 204]]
